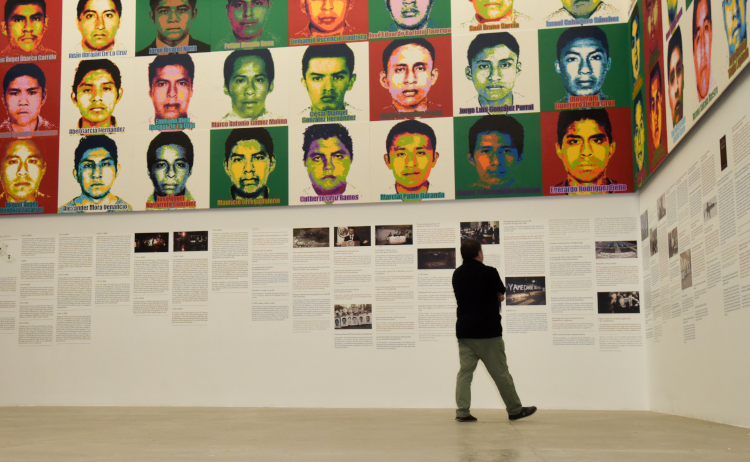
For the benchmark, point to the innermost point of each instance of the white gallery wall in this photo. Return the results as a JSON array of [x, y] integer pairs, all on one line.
[[97, 324], [697, 289]]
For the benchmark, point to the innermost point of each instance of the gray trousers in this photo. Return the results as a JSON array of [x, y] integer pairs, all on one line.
[[492, 353]]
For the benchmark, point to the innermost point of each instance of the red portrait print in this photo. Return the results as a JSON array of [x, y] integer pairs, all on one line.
[[26, 32], [656, 115], [317, 22], [23, 100]]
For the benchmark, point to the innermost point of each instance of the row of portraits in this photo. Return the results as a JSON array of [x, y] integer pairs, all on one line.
[[332, 163], [95, 28], [490, 73]]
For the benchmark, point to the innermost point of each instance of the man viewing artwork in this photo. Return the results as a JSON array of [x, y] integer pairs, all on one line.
[[328, 153], [97, 88], [98, 22], [249, 161], [496, 150], [411, 153], [328, 74], [583, 61], [96, 169], [248, 79], [408, 75], [172, 20], [479, 293], [23, 167], [24, 24], [583, 9], [170, 158], [24, 94], [494, 66]]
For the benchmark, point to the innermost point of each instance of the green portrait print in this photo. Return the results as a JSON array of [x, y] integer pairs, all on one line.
[[248, 24]]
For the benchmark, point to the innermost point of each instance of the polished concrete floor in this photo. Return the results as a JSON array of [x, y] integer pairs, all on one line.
[[47, 434]]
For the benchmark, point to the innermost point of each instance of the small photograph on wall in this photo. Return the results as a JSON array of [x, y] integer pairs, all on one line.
[[353, 316], [311, 237], [353, 236], [616, 249], [151, 242], [486, 232], [644, 225], [525, 291], [686, 270], [672, 242], [430, 259], [710, 210], [723, 153], [618, 302], [394, 235], [653, 242], [661, 206], [9, 252], [190, 241]]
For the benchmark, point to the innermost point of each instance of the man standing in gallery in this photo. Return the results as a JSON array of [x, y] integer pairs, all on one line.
[[479, 292]]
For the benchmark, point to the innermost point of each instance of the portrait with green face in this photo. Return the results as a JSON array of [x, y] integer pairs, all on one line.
[[327, 155], [24, 24], [473, 15], [497, 156], [170, 158], [97, 88], [327, 75], [583, 9], [172, 26], [409, 15], [248, 79], [249, 167], [248, 24]]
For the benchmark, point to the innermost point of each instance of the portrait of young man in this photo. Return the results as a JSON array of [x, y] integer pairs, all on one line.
[[23, 167], [408, 75], [98, 22], [24, 94], [639, 139], [95, 170], [702, 41], [583, 9], [327, 75], [248, 79], [676, 76], [326, 18], [170, 158], [247, 23], [171, 85], [410, 14], [172, 20], [652, 9], [500, 12], [24, 24], [328, 153], [249, 160], [583, 61], [585, 146], [655, 114], [735, 23], [411, 154], [636, 51], [496, 144], [97, 88], [494, 66]]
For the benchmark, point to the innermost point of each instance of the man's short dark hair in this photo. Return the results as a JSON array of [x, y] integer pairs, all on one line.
[[163, 61], [336, 50], [166, 138], [655, 74], [491, 40], [470, 249], [407, 41], [325, 131], [86, 66], [675, 43], [155, 3], [410, 126], [504, 124], [87, 143], [585, 32], [82, 7], [695, 13], [259, 134], [11, 5], [568, 118], [25, 69], [262, 53]]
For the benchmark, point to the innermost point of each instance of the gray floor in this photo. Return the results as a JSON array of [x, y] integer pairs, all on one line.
[[232, 434]]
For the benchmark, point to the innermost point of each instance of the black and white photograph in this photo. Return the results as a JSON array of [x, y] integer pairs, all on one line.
[[311, 237], [661, 206], [644, 225], [394, 235], [618, 302], [353, 236], [723, 152], [151, 242], [486, 232], [686, 270], [525, 291], [710, 209], [616, 249], [429, 259], [672, 243], [653, 242], [190, 241], [353, 316]]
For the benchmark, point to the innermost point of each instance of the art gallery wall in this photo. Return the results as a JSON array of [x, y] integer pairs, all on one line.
[[697, 293], [563, 353]]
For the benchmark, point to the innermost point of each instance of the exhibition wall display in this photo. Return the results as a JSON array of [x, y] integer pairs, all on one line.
[[193, 104]]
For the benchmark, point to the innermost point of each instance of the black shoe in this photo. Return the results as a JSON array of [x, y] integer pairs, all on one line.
[[468, 418], [525, 412]]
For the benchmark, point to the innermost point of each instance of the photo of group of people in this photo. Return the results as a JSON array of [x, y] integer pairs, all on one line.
[[355, 316], [618, 302], [486, 232], [247, 103]]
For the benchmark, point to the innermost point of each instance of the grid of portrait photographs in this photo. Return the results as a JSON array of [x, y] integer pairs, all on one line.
[[150, 105]]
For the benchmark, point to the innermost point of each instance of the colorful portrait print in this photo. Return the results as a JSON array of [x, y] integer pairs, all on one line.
[[95, 171], [247, 18], [24, 24], [328, 153], [653, 23], [639, 133], [98, 22], [672, 10], [702, 41], [655, 113], [583, 61], [496, 144], [411, 154], [735, 23], [24, 94], [676, 76], [328, 74], [172, 20], [170, 158], [23, 168], [325, 18], [171, 85], [635, 50], [97, 88], [248, 79], [408, 75], [249, 162], [494, 66], [410, 14], [494, 12], [583, 9]]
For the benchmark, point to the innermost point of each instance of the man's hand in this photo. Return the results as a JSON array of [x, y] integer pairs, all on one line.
[[500, 297]]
